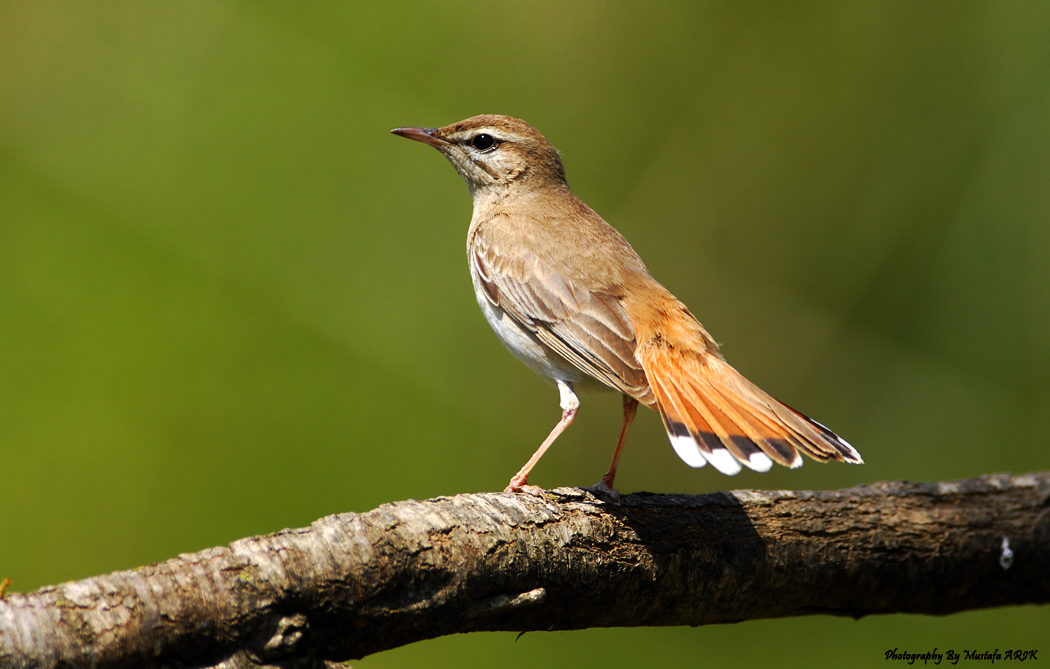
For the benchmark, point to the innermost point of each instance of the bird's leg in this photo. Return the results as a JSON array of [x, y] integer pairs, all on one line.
[[630, 409], [569, 405]]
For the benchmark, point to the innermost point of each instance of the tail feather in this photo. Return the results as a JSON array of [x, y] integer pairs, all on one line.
[[755, 433], [714, 415], [727, 431], [715, 444], [776, 439], [681, 429]]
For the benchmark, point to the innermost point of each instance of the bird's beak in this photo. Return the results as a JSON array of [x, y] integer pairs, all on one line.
[[425, 135]]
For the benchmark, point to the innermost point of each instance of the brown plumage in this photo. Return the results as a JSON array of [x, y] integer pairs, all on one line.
[[569, 297]]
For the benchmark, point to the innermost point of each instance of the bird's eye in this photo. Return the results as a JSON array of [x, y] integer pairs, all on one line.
[[483, 142]]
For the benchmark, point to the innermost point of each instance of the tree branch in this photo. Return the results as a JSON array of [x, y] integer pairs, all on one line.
[[354, 584]]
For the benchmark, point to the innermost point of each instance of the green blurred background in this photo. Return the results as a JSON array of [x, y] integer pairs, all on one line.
[[231, 302]]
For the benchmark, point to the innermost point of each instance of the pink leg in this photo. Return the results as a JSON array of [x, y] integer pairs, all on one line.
[[570, 404], [630, 410]]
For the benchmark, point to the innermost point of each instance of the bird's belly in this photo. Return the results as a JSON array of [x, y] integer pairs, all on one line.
[[536, 355]]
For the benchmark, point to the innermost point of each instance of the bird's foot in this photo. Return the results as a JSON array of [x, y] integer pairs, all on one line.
[[603, 489], [519, 485]]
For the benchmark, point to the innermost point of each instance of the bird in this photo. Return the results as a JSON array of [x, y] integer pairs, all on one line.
[[569, 297]]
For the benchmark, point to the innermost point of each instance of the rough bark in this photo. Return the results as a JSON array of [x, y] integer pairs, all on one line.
[[354, 584]]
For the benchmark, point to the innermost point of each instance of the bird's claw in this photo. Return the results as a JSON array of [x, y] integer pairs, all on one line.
[[521, 486], [603, 489]]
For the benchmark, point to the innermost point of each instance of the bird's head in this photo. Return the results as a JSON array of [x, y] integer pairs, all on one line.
[[494, 154]]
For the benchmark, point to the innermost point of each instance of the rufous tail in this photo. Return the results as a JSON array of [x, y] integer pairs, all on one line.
[[714, 415]]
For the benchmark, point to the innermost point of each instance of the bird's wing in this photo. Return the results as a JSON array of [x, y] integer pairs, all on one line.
[[589, 328]]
